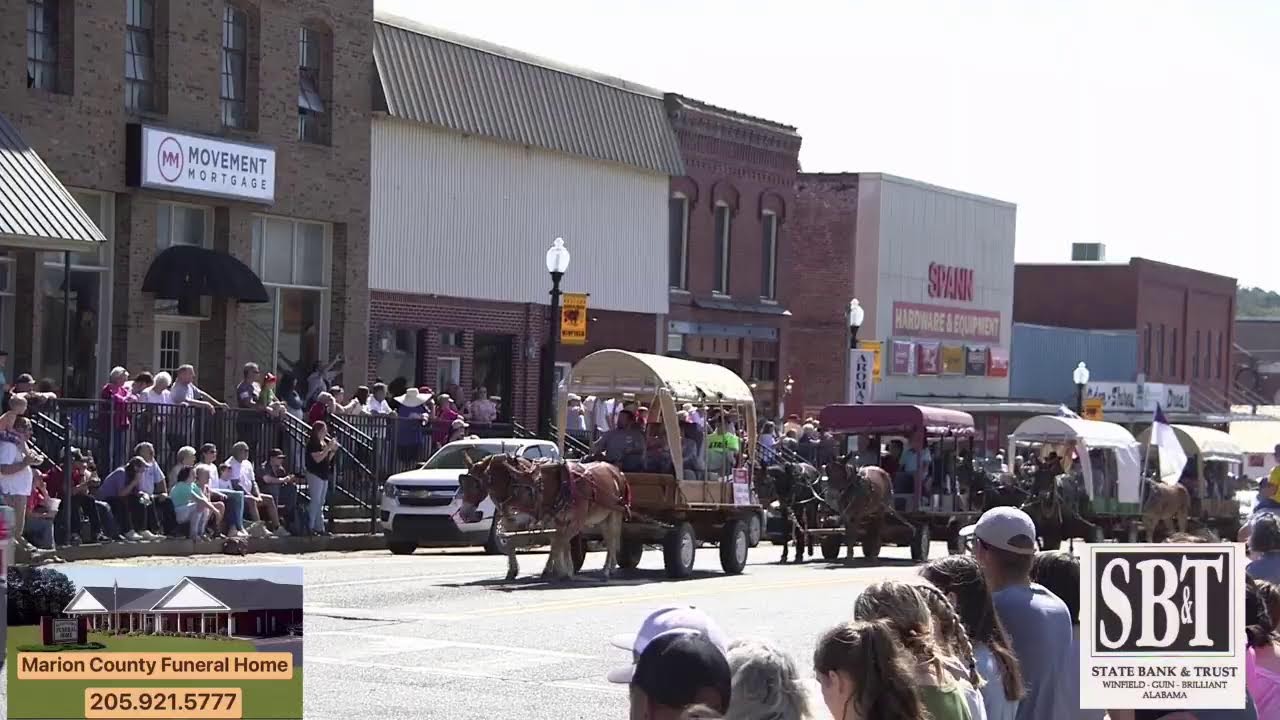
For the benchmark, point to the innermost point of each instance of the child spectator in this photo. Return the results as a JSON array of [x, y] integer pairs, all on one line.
[[960, 578], [191, 505], [866, 674]]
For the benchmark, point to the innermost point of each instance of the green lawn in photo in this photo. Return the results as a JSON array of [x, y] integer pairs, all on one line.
[[43, 699]]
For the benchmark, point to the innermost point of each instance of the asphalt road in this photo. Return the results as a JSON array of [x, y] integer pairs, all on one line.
[[440, 635]]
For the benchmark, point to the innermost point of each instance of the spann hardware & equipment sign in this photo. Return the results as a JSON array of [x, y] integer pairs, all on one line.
[[1162, 626]]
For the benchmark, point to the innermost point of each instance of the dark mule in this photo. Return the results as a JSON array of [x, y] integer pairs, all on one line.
[[863, 498], [796, 488], [1164, 502]]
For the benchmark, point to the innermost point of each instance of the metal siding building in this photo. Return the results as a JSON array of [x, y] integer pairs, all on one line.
[[464, 216], [1043, 358], [903, 226]]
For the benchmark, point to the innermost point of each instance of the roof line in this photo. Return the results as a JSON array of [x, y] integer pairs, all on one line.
[[733, 115], [420, 28], [898, 179]]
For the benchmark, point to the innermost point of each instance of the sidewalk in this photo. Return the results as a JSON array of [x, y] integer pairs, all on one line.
[[181, 547]]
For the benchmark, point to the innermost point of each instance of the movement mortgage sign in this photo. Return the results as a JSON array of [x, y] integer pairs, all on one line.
[[861, 376], [164, 159]]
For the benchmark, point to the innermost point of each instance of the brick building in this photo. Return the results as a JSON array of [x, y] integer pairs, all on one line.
[[728, 230], [1256, 361], [469, 195], [1183, 317], [932, 270], [238, 127]]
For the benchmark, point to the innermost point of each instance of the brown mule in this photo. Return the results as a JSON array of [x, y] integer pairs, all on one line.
[[862, 497], [1165, 502]]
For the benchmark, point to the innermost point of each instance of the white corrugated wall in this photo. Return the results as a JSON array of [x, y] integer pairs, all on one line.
[[468, 217]]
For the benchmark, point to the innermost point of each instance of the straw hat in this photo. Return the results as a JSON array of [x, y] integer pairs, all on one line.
[[413, 398], [460, 423]]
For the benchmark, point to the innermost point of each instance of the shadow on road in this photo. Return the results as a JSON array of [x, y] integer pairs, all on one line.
[[585, 579]]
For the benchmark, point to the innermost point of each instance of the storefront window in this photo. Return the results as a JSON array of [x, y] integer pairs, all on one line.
[[398, 356], [290, 332], [90, 306]]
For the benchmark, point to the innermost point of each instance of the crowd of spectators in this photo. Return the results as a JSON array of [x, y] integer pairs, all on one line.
[[988, 636]]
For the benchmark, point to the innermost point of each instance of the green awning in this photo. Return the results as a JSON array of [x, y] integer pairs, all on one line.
[[36, 211]]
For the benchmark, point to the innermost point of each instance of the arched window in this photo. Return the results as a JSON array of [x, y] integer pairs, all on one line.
[[239, 28], [724, 236], [678, 239]]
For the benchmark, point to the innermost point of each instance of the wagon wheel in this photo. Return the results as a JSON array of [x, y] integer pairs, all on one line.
[[678, 549], [733, 547], [755, 529], [920, 543], [578, 553], [831, 547], [629, 554]]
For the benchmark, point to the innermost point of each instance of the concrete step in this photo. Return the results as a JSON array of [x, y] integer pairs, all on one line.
[[348, 526], [349, 511], [182, 548]]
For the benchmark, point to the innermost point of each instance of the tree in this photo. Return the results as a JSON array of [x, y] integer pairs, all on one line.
[[35, 592], [1256, 302]]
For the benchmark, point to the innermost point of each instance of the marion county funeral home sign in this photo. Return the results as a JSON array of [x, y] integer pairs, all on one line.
[[164, 159]]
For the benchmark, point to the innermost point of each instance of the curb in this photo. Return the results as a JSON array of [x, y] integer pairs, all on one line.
[[177, 547]]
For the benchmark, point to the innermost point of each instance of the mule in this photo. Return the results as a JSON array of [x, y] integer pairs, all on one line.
[[474, 488], [1164, 502], [861, 497], [565, 497], [795, 487]]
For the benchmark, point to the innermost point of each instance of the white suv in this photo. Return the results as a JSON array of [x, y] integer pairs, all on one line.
[[420, 507]]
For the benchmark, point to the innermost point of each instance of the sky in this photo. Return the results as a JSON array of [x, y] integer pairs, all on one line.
[[1150, 126], [162, 576]]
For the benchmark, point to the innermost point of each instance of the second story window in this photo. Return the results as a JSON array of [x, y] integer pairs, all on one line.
[[235, 41], [42, 44], [678, 239], [140, 56], [724, 229], [313, 111], [769, 256]]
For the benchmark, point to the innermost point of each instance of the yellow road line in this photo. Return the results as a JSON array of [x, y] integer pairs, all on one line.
[[703, 588]]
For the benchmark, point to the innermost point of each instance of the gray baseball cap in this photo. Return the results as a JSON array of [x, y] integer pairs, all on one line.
[[1006, 528]]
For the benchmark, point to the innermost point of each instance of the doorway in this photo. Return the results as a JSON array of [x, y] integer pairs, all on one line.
[[177, 343], [491, 369]]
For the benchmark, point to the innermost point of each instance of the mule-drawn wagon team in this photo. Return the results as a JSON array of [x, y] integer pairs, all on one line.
[[681, 466]]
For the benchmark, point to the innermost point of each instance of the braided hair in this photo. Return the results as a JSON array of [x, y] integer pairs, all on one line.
[[960, 578], [909, 613], [950, 630]]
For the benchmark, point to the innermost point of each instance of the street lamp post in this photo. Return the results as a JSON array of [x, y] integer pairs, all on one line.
[[557, 265], [854, 318], [1080, 376]]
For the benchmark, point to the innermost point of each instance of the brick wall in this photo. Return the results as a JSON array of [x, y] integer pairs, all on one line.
[[80, 133], [1101, 296], [820, 268], [436, 314]]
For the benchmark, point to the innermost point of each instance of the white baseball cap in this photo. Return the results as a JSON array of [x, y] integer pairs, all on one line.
[[1006, 528], [676, 619]]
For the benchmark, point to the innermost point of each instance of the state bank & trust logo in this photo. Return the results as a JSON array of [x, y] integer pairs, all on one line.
[[1163, 626], [169, 159]]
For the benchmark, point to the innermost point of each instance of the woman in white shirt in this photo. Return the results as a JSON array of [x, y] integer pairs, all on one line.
[[158, 393], [960, 578]]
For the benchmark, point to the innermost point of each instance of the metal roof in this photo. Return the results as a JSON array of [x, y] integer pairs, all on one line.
[[36, 211], [438, 78]]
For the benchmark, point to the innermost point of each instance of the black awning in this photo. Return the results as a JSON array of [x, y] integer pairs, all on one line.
[[186, 271], [36, 211]]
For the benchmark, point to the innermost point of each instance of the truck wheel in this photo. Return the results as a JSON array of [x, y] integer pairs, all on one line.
[[831, 547], [497, 543], [402, 547], [578, 553], [629, 554], [919, 544], [678, 549], [733, 547]]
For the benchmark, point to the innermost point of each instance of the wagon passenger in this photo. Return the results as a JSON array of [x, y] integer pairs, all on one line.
[[691, 447], [624, 445]]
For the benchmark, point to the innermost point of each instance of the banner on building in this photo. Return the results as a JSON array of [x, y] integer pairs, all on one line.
[[998, 366], [904, 357], [945, 323], [877, 347], [952, 359], [975, 360], [573, 319], [928, 361], [861, 382]]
